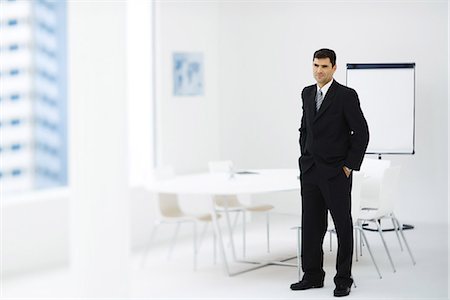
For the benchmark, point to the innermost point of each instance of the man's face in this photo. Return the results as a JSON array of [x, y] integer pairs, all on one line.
[[323, 71]]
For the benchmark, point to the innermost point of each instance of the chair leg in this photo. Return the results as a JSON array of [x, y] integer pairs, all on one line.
[[404, 239], [202, 236], [236, 216], [172, 243], [363, 236], [150, 242], [243, 234], [268, 231], [299, 267], [215, 247], [361, 242], [195, 245], [331, 240], [380, 231], [396, 229], [356, 243], [359, 223]]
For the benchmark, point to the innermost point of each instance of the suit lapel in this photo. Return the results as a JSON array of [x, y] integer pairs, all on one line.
[[312, 103], [327, 100]]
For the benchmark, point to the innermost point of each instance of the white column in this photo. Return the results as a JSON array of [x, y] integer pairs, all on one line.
[[140, 87], [99, 241]]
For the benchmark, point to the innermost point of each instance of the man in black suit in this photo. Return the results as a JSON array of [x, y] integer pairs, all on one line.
[[333, 140]]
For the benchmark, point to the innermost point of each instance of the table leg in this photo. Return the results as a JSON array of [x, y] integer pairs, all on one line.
[[218, 233], [230, 231]]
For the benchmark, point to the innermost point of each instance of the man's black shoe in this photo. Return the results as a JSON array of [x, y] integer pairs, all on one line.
[[341, 291], [305, 284]]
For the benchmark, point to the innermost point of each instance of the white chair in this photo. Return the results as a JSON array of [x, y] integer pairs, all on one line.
[[382, 199], [170, 212], [357, 178], [373, 171], [356, 209], [231, 203]]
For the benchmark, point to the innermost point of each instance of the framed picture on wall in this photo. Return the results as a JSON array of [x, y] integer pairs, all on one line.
[[188, 74]]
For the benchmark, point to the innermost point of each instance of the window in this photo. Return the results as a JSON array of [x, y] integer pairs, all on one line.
[[33, 130]]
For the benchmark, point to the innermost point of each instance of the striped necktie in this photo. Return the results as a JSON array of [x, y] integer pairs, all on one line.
[[319, 99]]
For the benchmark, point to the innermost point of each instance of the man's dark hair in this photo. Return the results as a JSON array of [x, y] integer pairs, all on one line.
[[324, 53]]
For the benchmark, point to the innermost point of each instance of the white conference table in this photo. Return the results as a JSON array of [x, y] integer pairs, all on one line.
[[239, 183]]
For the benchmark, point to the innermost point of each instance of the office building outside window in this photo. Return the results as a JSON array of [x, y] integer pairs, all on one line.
[[33, 123]]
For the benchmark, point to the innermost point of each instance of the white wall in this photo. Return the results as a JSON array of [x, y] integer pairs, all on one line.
[[35, 231], [187, 126], [265, 60]]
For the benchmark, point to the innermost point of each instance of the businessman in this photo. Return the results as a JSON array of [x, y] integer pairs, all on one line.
[[333, 140]]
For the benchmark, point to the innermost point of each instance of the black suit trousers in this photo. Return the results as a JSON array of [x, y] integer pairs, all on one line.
[[320, 194]]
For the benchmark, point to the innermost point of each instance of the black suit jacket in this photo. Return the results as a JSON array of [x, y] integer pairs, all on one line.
[[336, 135]]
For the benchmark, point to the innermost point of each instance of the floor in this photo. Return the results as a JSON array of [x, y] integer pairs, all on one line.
[[175, 278]]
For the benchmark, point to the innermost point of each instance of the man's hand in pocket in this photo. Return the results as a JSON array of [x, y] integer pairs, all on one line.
[[347, 171]]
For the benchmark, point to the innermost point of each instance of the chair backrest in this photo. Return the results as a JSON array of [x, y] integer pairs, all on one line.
[[224, 166], [168, 205], [229, 201], [373, 171], [385, 200], [388, 190], [358, 178]]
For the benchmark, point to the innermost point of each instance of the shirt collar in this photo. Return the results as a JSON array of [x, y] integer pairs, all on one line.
[[325, 87]]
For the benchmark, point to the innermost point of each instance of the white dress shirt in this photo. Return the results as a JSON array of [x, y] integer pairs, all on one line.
[[325, 88]]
